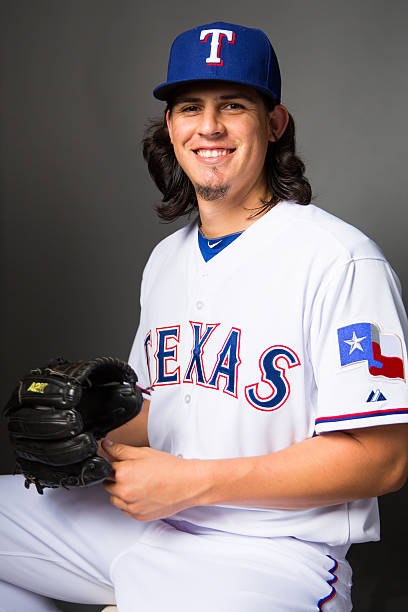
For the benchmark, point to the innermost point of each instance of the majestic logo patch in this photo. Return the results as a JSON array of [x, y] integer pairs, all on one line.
[[363, 342], [376, 396]]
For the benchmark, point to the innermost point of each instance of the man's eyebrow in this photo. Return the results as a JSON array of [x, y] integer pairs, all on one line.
[[233, 96], [185, 100], [239, 95]]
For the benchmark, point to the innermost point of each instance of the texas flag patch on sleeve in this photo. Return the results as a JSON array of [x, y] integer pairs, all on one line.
[[363, 342]]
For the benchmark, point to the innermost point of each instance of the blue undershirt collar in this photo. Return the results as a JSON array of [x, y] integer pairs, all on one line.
[[211, 246]]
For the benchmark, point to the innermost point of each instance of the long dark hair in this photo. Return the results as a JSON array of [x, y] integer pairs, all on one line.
[[284, 171]]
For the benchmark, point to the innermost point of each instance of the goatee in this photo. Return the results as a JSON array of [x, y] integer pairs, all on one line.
[[212, 193]]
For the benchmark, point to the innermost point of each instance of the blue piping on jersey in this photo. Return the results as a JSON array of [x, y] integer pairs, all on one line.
[[361, 415], [330, 582]]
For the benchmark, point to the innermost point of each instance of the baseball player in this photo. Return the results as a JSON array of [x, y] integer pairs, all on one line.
[[272, 354]]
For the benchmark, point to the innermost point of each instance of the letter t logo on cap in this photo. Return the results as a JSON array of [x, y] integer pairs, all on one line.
[[214, 58]]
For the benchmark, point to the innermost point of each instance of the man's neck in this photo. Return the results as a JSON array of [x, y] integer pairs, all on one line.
[[217, 219]]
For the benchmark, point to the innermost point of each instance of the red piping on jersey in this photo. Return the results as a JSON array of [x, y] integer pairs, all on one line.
[[361, 415]]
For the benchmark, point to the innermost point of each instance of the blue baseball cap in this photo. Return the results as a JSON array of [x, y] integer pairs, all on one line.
[[223, 52]]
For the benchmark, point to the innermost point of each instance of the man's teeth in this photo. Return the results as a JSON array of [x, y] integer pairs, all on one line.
[[213, 152]]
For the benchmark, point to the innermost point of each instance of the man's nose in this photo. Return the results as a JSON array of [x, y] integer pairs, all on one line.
[[211, 123]]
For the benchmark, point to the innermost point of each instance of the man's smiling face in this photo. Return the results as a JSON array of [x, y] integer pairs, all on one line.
[[220, 134]]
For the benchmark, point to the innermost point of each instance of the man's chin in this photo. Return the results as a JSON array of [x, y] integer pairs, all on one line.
[[210, 193]]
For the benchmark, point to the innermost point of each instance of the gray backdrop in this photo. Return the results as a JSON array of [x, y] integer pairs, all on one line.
[[77, 202]]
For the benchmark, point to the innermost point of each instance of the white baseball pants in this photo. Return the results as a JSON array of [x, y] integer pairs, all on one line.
[[75, 546]]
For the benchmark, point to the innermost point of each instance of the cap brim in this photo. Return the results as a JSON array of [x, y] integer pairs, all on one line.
[[166, 90]]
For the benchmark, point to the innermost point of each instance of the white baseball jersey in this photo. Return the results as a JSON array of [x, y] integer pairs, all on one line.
[[295, 329]]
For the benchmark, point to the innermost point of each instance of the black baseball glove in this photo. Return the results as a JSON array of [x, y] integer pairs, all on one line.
[[58, 412]]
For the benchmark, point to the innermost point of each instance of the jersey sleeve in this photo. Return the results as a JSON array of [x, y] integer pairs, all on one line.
[[139, 354], [358, 348]]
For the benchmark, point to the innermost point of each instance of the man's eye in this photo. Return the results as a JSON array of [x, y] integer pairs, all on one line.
[[234, 106], [191, 108]]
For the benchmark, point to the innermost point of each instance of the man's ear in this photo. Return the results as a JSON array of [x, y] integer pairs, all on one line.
[[169, 126], [278, 121]]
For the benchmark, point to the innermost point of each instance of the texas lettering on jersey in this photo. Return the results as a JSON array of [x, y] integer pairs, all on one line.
[[222, 374]]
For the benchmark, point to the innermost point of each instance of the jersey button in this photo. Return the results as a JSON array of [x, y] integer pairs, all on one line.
[[199, 305], [187, 398]]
